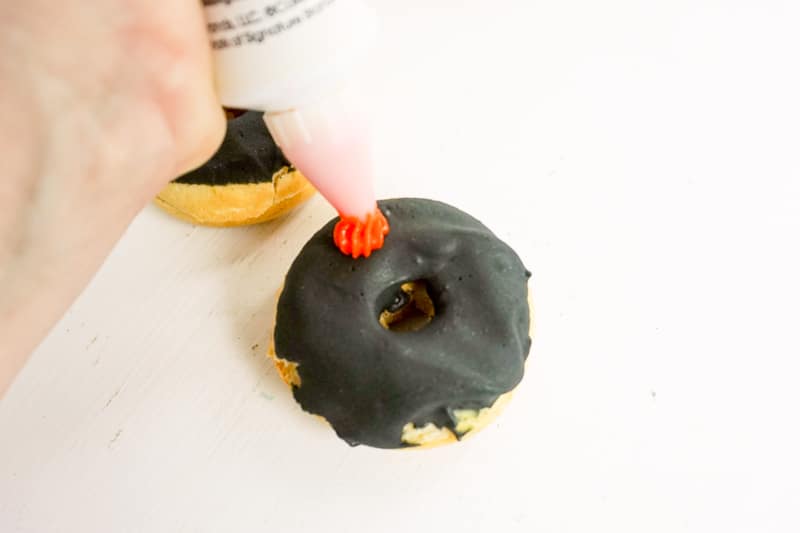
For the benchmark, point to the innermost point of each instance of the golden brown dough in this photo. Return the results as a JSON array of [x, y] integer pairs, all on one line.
[[236, 204]]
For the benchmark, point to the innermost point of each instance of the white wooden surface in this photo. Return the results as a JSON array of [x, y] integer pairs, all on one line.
[[643, 159]]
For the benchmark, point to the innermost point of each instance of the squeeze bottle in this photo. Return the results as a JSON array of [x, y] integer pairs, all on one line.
[[293, 60]]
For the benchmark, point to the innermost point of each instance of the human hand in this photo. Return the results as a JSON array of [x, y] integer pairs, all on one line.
[[102, 103]]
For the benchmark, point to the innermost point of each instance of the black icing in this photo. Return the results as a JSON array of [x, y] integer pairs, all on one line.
[[247, 155], [401, 299], [369, 382]]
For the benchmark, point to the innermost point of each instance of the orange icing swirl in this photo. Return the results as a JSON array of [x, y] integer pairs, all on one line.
[[356, 237]]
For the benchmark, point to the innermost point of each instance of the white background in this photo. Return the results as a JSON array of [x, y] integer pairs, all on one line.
[[642, 157]]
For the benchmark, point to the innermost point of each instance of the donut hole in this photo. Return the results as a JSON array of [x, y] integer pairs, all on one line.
[[411, 308]]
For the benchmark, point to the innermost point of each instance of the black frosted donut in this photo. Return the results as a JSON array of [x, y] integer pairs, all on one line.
[[371, 383], [248, 180], [247, 155]]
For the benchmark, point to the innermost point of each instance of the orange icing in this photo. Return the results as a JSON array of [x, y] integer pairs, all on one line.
[[356, 237]]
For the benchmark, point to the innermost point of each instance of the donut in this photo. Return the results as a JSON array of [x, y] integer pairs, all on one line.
[[419, 345], [247, 181]]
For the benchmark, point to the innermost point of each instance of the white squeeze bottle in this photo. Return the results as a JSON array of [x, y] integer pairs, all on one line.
[[293, 60]]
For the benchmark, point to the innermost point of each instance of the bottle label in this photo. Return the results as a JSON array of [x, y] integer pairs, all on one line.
[[236, 23]]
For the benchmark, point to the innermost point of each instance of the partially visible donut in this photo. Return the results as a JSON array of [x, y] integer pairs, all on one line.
[[419, 345], [247, 181]]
